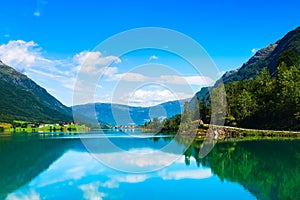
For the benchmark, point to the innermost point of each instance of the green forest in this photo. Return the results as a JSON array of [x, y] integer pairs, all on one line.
[[269, 101]]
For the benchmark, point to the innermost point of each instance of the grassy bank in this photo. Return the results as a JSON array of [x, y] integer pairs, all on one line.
[[27, 127]]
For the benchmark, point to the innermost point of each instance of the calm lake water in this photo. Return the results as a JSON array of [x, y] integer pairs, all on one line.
[[40, 167]]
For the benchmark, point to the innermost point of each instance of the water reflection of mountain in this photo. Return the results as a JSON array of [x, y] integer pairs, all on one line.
[[24, 158], [268, 169]]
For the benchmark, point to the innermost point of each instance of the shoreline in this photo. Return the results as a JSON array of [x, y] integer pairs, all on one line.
[[215, 132], [234, 131], [224, 132]]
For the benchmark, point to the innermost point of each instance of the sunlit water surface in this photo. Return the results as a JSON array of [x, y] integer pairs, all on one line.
[[60, 167]]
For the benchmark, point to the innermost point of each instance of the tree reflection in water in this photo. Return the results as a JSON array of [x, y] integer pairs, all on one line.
[[269, 169]]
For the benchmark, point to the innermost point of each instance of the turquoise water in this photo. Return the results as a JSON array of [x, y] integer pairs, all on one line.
[[41, 167]]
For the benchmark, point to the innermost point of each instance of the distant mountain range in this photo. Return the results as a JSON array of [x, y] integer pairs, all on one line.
[[116, 114], [23, 99]]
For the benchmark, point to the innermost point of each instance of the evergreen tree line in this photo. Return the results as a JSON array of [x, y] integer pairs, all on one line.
[[182, 121], [266, 102]]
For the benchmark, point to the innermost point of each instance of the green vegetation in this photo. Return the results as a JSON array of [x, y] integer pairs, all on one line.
[[271, 103], [29, 127], [266, 103], [18, 103], [268, 169], [188, 121], [23, 99], [23, 158], [264, 92], [154, 125]]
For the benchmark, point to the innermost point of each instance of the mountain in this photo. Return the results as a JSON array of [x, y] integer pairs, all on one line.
[[23, 99], [264, 92], [202, 94], [117, 114], [266, 57]]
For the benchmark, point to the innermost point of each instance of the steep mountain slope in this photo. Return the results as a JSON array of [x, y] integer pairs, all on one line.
[[265, 99], [116, 114], [23, 99], [266, 57]]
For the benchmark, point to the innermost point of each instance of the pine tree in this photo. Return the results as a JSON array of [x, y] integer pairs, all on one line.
[[197, 109]]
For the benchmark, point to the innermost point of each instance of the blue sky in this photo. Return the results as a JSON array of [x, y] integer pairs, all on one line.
[[46, 36]]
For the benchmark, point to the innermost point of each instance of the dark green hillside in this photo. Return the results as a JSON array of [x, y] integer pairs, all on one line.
[[23, 99]]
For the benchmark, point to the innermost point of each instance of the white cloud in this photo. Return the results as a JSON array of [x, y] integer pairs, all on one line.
[[91, 191], [94, 62], [186, 174], [115, 180], [132, 161], [56, 75], [74, 173], [64, 171], [39, 7], [165, 174], [59, 76], [69, 83], [22, 55], [131, 178], [198, 80], [154, 57], [165, 79], [37, 13], [107, 71], [185, 80], [130, 77], [44, 74], [104, 98], [28, 58], [153, 97], [32, 195], [254, 50], [6, 35]]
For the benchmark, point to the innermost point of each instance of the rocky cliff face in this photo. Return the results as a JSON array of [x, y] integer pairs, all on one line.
[[266, 57], [252, 67]]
